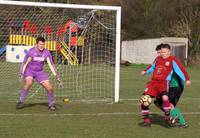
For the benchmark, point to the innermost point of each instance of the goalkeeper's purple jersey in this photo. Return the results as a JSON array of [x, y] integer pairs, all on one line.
[[38, 59]]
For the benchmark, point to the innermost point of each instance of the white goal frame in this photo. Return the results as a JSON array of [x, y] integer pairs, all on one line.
[[77, 6]]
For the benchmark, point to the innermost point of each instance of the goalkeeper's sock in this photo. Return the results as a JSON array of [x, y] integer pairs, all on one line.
[[23, 95], [50, 99]]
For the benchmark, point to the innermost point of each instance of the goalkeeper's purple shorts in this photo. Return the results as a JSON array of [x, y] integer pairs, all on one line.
[[39, 76]]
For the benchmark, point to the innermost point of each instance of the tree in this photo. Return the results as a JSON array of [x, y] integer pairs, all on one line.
[[187, 25]]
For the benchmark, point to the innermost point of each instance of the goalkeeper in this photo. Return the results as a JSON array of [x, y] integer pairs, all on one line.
[[33, 69]]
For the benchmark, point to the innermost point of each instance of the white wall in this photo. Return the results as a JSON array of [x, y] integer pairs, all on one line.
[[143, 51], [139, 51]]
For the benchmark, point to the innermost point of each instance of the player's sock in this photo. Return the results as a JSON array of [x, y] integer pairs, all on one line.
[[23, 95], [50, 99], [145, 110], [145, 114], [177, 113], [166, 107], [147, 120]]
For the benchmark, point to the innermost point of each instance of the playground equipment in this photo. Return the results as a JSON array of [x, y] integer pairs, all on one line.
[[30, 41], [2, 50], [25, 34], [68, 54], [50, 45]]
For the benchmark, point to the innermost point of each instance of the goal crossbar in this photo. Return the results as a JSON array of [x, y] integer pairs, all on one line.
[[59, 5]]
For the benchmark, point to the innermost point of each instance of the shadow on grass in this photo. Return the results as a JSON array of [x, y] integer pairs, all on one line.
[[157, 119], [29, 105]]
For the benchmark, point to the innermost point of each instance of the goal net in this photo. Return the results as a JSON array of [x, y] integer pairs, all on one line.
[[84, 41]]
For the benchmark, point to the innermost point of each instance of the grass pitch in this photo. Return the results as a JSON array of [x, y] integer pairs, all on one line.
[[102, 120]]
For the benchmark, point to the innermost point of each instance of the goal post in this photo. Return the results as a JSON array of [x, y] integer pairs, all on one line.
[[117, 60], [84, 41]]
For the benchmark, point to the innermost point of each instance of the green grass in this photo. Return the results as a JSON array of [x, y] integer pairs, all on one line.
[[102, 120], [79, 82]]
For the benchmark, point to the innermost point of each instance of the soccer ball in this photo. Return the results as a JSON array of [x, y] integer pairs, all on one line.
[[66, 100], [145, 100]]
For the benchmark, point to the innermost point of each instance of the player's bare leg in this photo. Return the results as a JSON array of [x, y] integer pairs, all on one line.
[[24, 92], [47, 85]]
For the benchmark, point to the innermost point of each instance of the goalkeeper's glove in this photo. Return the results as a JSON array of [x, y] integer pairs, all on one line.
[[59, 80], [20, 76]]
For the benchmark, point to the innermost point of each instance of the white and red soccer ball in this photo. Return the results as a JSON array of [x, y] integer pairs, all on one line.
[[146, 100]]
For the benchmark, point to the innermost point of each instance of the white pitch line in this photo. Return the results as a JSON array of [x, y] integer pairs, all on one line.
[[87, 114], [136, 99]]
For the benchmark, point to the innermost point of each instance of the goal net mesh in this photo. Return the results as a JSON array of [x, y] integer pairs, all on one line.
[[81, 41]]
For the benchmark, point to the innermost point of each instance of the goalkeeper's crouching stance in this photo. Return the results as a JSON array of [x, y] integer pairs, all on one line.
[[33, 69]]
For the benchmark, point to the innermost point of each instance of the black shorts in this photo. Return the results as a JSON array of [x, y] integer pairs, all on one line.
[[174, 96]]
